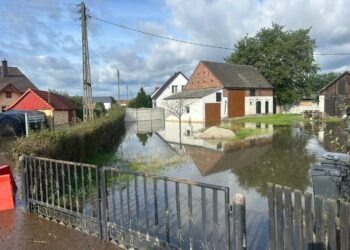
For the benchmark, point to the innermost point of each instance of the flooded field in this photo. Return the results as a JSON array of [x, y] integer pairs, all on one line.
[[283, 157]]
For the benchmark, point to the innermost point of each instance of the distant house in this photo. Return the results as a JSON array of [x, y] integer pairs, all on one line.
[[220, 90], [334, 98], [59, 108], [13, 83], [175, 84], [123, 103], [106, 100]]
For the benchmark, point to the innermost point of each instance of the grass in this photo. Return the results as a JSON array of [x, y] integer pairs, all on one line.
[[277, 119], [244, 133]]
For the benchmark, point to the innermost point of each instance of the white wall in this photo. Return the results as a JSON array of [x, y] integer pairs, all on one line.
[[197, 108], [321, 103], [179, 81], [250, 104], [107, 105], [195, 114]]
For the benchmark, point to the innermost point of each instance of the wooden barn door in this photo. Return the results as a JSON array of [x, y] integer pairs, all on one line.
[[212, 113], [236, 103]]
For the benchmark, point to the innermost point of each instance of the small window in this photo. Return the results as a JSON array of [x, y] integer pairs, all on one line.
[[188, 132], [218, 97], [182, 87], [252, 92], [3, 107], [174, 89], [8, 94], [187, 109]]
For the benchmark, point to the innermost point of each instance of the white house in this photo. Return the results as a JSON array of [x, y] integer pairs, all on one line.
[[175, 84], [106, 100], [219, 90]]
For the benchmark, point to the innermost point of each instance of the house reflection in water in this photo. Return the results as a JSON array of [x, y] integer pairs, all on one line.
[[213, 156]]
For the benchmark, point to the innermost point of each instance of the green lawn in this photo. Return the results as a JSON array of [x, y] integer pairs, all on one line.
[[277, 119]]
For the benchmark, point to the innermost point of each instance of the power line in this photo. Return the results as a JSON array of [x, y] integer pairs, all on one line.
[[193, 43], [162, 37]]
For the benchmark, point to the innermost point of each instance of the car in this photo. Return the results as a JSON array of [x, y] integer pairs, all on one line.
[[13, 122]]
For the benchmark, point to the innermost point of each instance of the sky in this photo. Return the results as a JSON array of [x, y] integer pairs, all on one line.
[[43, 37]]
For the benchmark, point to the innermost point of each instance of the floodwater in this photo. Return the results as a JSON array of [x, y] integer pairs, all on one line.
[[283, 156]]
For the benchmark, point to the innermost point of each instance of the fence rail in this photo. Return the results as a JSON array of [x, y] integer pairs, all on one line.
[[297, 221], [132, 208]]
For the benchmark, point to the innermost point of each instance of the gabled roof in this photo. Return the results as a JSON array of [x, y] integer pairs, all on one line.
[[192, 94], [103, 99], [17, 79], [237, 76], [159, 91], [55, 101], [329, 84]]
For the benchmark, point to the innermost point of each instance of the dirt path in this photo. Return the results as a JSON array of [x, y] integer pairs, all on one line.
[[19, 230]]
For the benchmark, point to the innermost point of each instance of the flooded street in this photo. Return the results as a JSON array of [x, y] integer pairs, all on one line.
[[283, 157]]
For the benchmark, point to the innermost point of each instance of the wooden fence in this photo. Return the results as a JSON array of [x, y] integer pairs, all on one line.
[[299, 221]]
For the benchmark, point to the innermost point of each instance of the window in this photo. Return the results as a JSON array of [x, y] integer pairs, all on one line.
[[188, 132], [187, 109], [8, 94], [182, 87], [3, 107], [218, 97], [174, 89], [252, 92]]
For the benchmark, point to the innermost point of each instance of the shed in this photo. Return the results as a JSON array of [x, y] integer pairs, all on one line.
[[59, 108], [334, 98]]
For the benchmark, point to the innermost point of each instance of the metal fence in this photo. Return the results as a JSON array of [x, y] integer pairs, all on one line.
[[318, 224], [132, 208]]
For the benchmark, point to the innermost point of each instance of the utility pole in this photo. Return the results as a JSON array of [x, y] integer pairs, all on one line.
[[118, 75], [87, 91]]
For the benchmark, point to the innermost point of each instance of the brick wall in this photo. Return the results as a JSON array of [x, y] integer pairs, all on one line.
[[202, 78]]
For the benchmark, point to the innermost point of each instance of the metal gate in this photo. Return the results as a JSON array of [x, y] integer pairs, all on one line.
[[131, 208]]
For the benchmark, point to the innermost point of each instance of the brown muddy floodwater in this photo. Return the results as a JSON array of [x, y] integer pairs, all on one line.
[[284, 156]]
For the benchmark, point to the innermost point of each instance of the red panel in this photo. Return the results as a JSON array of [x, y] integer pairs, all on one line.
[[4, 170], [31, 102], [7, 200]]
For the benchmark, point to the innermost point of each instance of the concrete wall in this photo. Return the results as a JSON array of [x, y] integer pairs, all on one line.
[[179, 81], [144, 114], [321, 102], [250, 104], [195, 114]]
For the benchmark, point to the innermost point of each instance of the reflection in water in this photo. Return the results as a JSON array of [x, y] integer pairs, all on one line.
[[143, 137]]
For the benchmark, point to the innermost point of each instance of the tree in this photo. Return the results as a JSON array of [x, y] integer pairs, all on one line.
[[142, 100], [176, 108], [285, 58]]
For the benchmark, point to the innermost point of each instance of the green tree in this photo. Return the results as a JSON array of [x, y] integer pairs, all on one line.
[[318, 81], [142, 100], [284, 57]]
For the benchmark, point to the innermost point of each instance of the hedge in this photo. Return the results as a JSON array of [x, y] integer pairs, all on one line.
[[79, 142]]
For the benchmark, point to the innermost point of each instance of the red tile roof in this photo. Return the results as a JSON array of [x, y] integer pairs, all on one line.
[[55, 101]]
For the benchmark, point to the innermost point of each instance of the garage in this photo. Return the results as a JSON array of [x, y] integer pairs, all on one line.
[[236, 103]]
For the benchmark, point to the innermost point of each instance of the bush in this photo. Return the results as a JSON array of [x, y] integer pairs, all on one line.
[[76, 143]]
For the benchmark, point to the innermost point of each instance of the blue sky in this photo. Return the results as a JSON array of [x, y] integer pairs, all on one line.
[[43, 37]]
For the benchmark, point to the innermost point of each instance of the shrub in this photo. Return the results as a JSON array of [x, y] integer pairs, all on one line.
[[76, 143]]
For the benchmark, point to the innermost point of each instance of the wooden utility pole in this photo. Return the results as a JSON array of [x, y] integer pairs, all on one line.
[[88, 111], [118, 75]]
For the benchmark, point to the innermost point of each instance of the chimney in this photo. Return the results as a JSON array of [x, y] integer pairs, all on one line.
[[4, 71]]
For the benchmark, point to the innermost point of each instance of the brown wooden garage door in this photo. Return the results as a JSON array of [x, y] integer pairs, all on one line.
[[212, 113], [236, 103]]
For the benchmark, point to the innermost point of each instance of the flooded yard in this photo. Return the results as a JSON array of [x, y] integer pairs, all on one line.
[[284, 156]]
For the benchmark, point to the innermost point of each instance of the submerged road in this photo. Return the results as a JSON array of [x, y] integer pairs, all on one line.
[[19, 230]]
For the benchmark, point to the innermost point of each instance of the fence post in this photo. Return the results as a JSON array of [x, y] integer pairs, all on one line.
[[104, 204], [99, 192], [271, 205], [23, 170], [239, 221]]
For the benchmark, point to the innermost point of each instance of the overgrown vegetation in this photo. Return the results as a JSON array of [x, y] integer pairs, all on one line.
[[79, 142]]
